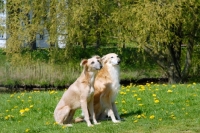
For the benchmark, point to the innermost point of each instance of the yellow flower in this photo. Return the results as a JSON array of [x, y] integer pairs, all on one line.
[[139, 116], [64, 126], [116, 102], [140, 104], [27, 109], [143, 115], [156, 101], [139, 99], [169, 91], [135, 95], [173, 117], [31, 106], [6, 117], [27, 130], [173, 86], [55, 123], [123, 101], [135, 121], [152, 117], [22, 111]]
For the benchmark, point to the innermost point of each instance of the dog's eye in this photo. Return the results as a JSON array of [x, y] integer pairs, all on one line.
[[112, 57], [92, 62]]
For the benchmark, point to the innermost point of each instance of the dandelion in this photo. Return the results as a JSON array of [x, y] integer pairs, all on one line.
[[140, 104], [152, 117], [116, 102], [173, 117], [55, 123], [52, 92], [6, 118], [27, 130], [123, 93], [7, 110], [156, 101], [22, 111], [63, 127], [139, 99], [138, 116], [169, 91], [154, 95], [123, 101], [135, 95], [173, 86], [143, 115], [27, 109], [135, 121], [160, 119]]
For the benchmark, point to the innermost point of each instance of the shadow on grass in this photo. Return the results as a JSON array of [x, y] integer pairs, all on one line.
[[132, 113]]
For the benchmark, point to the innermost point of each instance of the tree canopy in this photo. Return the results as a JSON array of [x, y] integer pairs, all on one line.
[[158, 27]]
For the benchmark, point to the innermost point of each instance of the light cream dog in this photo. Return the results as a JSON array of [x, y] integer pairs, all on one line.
[[107, 85], [79, 94]]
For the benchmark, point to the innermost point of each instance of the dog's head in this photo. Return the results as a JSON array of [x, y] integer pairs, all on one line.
[[111, 59], [92, 64]]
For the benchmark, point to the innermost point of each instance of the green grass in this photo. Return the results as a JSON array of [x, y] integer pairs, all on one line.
[[150, 108]]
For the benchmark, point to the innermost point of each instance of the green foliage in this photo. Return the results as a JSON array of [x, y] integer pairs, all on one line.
[[144, 108]]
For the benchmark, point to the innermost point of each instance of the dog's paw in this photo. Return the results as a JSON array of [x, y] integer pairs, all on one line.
[[116, 121], [90, 125], [97, 123], [69, 125]]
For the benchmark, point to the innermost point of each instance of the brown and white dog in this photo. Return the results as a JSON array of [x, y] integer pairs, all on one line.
[[79, 95], [107, 85]]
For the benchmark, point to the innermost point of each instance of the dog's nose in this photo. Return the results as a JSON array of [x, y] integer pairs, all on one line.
[[119, 62], [100, 66]]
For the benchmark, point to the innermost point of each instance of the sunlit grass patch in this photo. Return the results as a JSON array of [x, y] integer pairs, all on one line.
[[144, 108]]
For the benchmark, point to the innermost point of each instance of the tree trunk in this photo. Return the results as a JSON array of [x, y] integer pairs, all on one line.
[[173, 76]]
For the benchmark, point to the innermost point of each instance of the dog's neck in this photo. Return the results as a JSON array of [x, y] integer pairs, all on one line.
[[114, 72], [88, 76]]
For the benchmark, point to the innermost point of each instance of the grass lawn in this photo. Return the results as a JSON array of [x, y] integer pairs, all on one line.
[[150, 108]]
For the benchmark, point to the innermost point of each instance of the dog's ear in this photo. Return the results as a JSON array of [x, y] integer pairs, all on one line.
[[104, 59], [83, 62]]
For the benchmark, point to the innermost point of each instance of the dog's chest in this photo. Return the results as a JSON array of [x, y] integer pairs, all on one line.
[[114, 73], [91, 88], [90, 93]]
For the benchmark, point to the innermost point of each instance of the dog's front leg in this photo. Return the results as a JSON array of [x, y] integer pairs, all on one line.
[[91, 110], [85, 111]]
